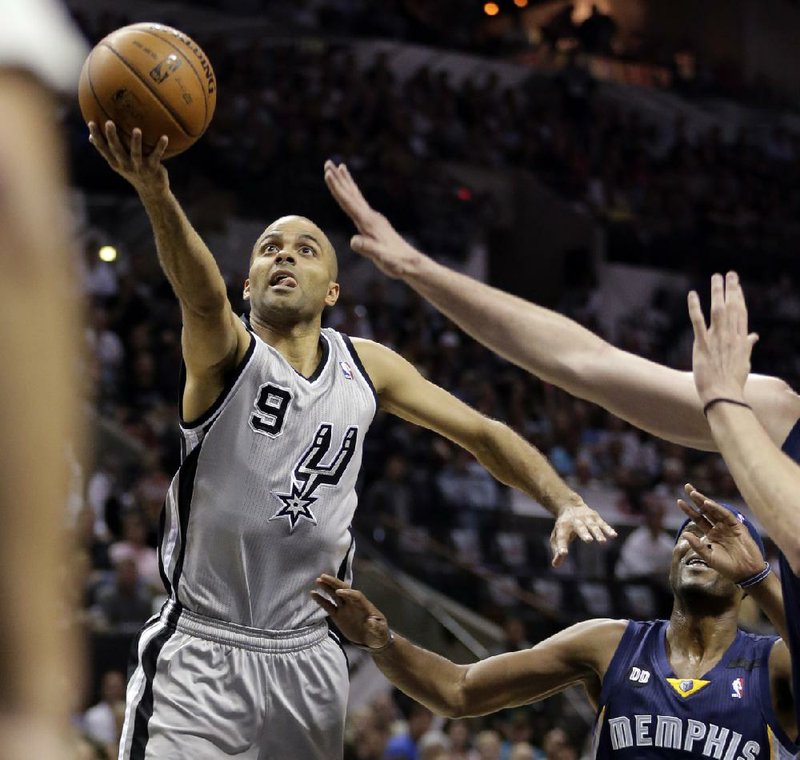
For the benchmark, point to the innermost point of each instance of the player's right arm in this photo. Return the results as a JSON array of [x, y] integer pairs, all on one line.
[[214, 339], [579, 654], [653, 397]]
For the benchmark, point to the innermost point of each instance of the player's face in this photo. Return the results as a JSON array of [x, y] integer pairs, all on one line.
[[690, 574], [292, 271]]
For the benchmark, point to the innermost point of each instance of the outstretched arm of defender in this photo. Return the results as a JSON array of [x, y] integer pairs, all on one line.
[[650, 396], [578, 654], [213, 338], [404, 392]]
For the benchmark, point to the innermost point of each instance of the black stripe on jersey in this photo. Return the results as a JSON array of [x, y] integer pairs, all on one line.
[[186, 476], [162, 523], [230, 381], [326, 351], [144, 710], [335, 634], [342, 572], [360, 365]]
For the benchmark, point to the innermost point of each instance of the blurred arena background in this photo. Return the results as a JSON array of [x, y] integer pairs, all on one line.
[[601, 158]]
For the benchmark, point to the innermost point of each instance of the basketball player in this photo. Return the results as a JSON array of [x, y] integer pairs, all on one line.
[[764, 473], [273, 417], [692, 686], [40, 675]]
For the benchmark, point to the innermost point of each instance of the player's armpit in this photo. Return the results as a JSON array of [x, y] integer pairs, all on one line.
[[212, 346]]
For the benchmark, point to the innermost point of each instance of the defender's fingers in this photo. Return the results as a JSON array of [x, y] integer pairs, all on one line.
[[114, 143], [696, 317], [734, 298], [597, 533], [689, 510], [326, 605], [717, 301], [157, 154], [700, 545], [719, 514], [332, 581]]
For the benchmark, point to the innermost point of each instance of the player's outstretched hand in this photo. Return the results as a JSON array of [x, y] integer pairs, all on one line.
[[581, 521], [145, 172], [377, 239], [355, 615], [726, 545], [721, 353]]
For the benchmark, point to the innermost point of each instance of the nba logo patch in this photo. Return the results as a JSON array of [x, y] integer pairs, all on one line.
[[347, 370], [738, 688]]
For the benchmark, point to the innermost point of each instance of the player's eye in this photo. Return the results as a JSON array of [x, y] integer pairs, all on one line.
[[307, 250], [270, 248]]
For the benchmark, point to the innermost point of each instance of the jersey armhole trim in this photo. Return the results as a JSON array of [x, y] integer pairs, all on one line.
[[357, 359], [765, 688], [230, 383], [615, 666]]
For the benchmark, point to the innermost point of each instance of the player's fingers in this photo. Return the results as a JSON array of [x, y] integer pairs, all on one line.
[[717, 301], [752, 339], [689, 510], [696, 316], [97, 138], [597, 533], [607, 529], [326, 604], [114, 144], [332, 581], [365, 246], [701, 546], [136, 148], [157, 154], [717, 514], [734, 298]]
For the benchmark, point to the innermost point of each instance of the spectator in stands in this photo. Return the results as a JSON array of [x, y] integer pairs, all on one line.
[[461, 741], [124, 603], [489, 745], [134, 545], [647, 552], [101, 721]]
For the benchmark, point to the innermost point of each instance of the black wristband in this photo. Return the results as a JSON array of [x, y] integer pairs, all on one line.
[[722, 400], [377, 650], [757, 578]]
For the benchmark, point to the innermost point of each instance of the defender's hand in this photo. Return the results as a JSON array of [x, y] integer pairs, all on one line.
[[721, 352], [377, 239], [727, 545], [577, 520], [355, 615], [146, 173]]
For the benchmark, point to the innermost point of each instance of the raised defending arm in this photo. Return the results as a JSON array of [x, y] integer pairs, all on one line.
[[650, 396]]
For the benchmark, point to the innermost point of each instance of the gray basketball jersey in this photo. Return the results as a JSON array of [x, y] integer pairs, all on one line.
[[264, 497]]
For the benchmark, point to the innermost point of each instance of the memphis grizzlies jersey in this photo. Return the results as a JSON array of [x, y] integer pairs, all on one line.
[[265, 494], [790, 584], [646, 712]]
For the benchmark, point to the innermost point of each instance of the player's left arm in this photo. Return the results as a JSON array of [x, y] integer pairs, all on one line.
[[403, 391]]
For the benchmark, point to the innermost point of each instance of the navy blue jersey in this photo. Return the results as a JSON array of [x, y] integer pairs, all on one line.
[[791, 588], [646, 712]]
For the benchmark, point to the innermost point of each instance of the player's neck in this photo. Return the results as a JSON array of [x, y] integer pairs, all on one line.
[[298, 343], [699, 639]]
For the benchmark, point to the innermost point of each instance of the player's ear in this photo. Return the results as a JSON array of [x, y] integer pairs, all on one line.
[[246, 291], [333, 294]]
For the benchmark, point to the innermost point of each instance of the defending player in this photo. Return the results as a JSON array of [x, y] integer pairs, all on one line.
[[693, 686], [273, 418]]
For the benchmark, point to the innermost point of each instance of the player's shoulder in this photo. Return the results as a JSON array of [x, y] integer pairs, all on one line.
[[382, 364], [775, 403]]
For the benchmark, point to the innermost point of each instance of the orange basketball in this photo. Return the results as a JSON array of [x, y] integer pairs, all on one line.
[[153, 77]]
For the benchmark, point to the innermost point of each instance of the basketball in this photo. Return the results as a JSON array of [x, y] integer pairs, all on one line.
[[153, 77]]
